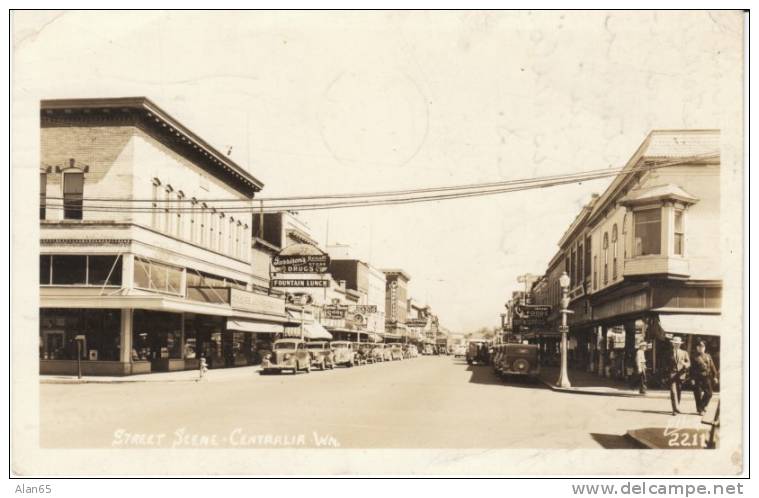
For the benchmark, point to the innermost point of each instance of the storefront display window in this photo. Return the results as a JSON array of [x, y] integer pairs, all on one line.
[[100, 328], [157, 335]]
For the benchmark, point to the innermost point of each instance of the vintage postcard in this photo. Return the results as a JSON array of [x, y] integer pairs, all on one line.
[[377, 243]]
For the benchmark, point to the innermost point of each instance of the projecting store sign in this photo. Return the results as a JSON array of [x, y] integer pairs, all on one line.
[[299, 282], [301, 258], [526, 315]]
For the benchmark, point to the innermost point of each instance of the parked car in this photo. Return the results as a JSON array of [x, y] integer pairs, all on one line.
[[378, 353], [287, 354], [396, 351], [459, 351], [518, 359], [428, 350], [366, 350], [387, 353], [361, 356], [477, 352], [321, 355], [495, 358], [343, 353]]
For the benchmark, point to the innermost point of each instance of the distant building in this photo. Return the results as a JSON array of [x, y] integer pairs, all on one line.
[[396, 304]]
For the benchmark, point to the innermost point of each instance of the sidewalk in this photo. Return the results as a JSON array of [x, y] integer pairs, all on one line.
[[179, 376], [590, 383]]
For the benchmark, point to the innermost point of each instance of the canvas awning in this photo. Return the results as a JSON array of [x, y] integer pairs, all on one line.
[[692, 324], [310, 331], [254, 326]]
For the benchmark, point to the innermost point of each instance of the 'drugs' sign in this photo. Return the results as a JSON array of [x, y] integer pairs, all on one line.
[[301, 258]]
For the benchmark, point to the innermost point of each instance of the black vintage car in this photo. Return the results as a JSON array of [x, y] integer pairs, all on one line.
[[477, 352], [517, 359]]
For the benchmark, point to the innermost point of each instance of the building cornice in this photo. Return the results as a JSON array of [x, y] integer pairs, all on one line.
[[141, 112]]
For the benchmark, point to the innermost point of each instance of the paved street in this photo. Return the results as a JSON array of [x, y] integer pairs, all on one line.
[[427, 402]]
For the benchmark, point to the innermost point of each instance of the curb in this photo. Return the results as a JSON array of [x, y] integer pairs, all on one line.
[[621, 394], [125, 381]]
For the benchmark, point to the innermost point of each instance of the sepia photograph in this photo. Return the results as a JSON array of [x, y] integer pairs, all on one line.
[[378, 243]]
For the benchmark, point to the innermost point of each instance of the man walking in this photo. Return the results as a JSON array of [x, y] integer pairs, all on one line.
[[640, 365], [704, 374], [679, 364]]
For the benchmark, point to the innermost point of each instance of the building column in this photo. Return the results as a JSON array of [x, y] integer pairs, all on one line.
[[629, 358], [126, 335]]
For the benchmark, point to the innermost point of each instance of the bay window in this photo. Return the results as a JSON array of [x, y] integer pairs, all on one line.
[[647, 232], [679, 233]]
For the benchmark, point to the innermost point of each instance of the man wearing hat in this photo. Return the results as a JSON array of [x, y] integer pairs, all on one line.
[[704, 375], [679, 364], [640, 365]]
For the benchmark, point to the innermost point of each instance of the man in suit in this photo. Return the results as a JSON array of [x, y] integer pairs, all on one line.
[[640, 366], [704, 375], [679, 364]]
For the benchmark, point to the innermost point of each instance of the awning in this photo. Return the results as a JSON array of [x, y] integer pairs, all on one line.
[[310, 331], [691, 324], [253, 326]]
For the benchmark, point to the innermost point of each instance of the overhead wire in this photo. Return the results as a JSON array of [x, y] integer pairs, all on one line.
[[368, 199]]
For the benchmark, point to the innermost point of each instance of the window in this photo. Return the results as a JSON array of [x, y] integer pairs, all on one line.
[[104, 270], [203, 224], [45, 267], [587, 265], [155, 216], [194, 221], [156, 276], [69, 270], [231, 247], [73, 189], [679, 233], [212, 229], [179, 229], [80, 270], [222, 229], [614, 236], [647, 232], [245, 241], [572, 265], [595, 272], [43, 194], [238, 237], [606, 257], [167, 229]]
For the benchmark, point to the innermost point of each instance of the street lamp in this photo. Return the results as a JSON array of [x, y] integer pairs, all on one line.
[[563, 380]]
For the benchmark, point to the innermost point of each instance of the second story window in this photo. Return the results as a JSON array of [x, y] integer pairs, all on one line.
[[595, 272], [194, 221], [679, 233], [203, 224], [155, 213], [179, 229], [167, 205], [606, 257], [614, 244], [43, 195], [647, 232], [73, 190]]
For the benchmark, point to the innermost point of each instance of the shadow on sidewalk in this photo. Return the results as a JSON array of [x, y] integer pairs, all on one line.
[[655, 412], [616, 442]]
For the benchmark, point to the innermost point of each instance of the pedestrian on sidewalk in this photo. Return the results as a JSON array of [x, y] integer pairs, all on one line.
[[679, 365], [704, 375], [640, 364]]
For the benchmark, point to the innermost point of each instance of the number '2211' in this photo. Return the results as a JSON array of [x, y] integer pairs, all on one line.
[[687, 439]]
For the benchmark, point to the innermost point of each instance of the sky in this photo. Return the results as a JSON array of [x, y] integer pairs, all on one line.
[[332, 102]]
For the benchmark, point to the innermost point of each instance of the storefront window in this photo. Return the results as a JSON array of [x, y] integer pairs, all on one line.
[[647, 232], [156, 335], [60, 327]]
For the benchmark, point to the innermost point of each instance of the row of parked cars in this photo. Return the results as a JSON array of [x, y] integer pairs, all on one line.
[[296, 355]]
